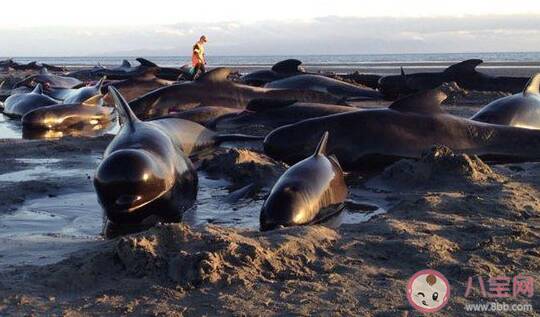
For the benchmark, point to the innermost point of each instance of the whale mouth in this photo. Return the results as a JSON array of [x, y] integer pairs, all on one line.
[[127, 201]]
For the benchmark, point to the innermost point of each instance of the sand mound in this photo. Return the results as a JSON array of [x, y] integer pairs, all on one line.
[[218, 254], [176, 253], [458, 95], [439, 166], [243, 167]]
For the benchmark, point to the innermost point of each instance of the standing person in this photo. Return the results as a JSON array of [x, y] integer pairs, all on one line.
[[198, 59]]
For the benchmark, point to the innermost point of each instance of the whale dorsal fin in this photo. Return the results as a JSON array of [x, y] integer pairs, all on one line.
[[428, 101], [94, 101], [125, 64], [402, 72], [99, 84], [268, 104], [145, 62], [321, 148], [38, 89], [215, 75], [127, 115], [287, 66], [468, 66], [533, 85]]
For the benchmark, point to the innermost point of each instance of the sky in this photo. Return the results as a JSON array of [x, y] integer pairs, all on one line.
[[274, 27]]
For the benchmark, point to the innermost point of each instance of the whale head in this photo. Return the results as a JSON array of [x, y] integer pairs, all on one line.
[[129, 179]]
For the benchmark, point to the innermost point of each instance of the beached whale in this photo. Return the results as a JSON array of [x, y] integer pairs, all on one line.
[[7, 64], [167, 73], [204, 115], [137, 86], [19, 104], [76, 95], [334, 87], [124, 71], [373, 138], [309, 192], [275, 113], [463, 73], [214, 89], [280, 70], [90, 131], [86, 73], [145, 176], [519, 110], [71, 116], [48, 79]]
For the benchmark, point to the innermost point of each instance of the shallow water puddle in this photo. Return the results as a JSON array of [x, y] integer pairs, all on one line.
[[47, 229], [42, 168], [10, 128], [211, 207]]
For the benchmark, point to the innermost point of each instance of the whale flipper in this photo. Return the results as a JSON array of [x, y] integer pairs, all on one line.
[[428, 101], [468, 66], [533, 85], [287, 66], [125, 112], [94, 101]]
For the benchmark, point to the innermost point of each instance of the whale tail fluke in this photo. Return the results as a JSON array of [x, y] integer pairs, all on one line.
[[321, 148], [126, 114], [94, 101], [533, 85]]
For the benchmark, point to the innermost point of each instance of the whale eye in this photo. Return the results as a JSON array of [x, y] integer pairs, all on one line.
[[435, 296]]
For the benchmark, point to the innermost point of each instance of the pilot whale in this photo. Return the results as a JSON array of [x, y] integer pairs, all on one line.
[[307, 193], [519, 110], [145, 176], [373, 138], [215, 90]]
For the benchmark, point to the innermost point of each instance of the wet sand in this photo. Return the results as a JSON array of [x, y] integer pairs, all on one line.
[[463, 220]]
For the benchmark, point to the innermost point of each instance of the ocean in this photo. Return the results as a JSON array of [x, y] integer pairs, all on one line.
[[345, 61]]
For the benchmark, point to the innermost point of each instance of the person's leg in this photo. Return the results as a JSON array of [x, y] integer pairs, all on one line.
[[197, 71]]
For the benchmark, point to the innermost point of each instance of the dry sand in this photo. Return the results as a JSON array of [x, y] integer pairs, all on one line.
[[451, 213]]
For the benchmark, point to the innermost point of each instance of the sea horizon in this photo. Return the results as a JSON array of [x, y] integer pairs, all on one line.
[[345, 60]]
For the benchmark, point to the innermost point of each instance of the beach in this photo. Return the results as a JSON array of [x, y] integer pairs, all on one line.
[[452, 213]]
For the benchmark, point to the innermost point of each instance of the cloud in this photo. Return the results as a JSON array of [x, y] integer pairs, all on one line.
[[323, 35]]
